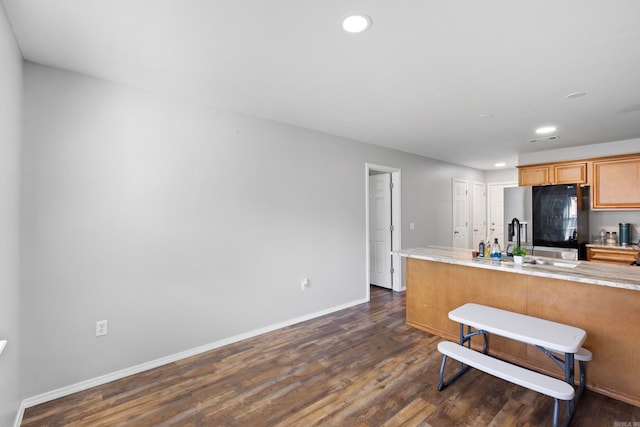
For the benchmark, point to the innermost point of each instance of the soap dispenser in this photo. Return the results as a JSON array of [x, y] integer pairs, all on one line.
[[496, 252]]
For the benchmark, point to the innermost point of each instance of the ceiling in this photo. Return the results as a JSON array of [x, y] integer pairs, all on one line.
[[419, 80]]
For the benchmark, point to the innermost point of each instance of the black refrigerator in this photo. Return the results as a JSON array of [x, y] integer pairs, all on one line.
[[554, 220], [561, 218]]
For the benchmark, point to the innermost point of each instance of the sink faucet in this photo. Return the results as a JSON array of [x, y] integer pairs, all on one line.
[[515, 226]]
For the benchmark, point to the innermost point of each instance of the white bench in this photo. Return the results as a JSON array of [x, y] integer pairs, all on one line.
[[544, 384], [546, 335]]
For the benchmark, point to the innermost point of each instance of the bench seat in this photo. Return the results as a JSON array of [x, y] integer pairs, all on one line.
[[583, 355], [541, 383]]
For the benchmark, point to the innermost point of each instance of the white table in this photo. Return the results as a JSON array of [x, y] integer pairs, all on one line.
[[548, 336]]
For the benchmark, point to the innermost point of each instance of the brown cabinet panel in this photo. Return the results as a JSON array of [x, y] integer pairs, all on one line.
[[434, 289], [616, 183], [609, 315], [612, 255], [570, 173], [560, 173], [534, 176]]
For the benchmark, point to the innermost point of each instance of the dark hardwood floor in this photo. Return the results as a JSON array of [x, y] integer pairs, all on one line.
[[358, 367]]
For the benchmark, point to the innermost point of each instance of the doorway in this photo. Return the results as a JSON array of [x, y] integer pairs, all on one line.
[[380, 229], [495, 193], [479, 213], [383, 226], [460, 213]]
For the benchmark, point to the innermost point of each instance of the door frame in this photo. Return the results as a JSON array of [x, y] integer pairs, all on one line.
[[396, 237]]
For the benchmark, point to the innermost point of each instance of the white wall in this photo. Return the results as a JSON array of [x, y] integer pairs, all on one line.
[[502, 175], [628, 146], [10, 135], [183, 225]]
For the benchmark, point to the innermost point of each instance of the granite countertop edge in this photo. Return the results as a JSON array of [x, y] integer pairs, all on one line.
[[625, 277]]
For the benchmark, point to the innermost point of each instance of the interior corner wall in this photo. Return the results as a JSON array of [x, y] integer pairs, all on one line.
[[629, 146], [183, 225], [10, 139], [502, 175]]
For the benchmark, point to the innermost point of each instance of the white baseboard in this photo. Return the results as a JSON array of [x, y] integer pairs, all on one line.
[[84, 385], [19, 415]]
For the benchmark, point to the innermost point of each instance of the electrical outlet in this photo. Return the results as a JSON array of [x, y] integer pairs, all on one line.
[[101, 328], [305, 284]]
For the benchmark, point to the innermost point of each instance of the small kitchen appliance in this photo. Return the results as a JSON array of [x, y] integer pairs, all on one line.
[[624, 233]]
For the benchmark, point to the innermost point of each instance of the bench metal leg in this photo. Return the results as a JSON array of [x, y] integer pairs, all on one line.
[[569, 376], [568, 366], [464, 339], [582, 380], [463, 368]]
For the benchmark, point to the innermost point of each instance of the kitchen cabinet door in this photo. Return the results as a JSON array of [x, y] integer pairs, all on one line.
[[613, 255], [570, 173], [616, 183], [537, 175]]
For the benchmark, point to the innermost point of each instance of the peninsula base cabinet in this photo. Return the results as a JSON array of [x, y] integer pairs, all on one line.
[[609, 315]]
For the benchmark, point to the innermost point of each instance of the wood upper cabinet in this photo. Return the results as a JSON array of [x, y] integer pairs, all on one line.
[[614, 180], [570, 173], [616, 183], [557, 173], [534, 175]]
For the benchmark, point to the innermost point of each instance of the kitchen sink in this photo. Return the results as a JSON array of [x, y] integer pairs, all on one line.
[[545, 261], [556, 263]]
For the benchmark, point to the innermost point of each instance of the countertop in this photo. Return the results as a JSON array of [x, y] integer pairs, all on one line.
[[595, 273]]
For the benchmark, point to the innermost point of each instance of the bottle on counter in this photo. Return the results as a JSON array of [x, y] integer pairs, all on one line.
[[496, 252], [487, 250], [481, 248]]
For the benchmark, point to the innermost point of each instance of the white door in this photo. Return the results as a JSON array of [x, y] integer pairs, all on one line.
[[460, 222], [380, 230], [479, 213], [496, 211]]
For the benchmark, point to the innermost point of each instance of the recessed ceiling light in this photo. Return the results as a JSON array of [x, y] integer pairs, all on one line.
[[485, 116], [356, 23], [500, 165], [576, 95], [545, 130]]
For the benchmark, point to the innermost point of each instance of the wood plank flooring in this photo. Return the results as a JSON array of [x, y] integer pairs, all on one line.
[[358, 367]]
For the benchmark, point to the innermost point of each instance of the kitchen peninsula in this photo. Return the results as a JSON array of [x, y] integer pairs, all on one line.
[[602, 299]]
